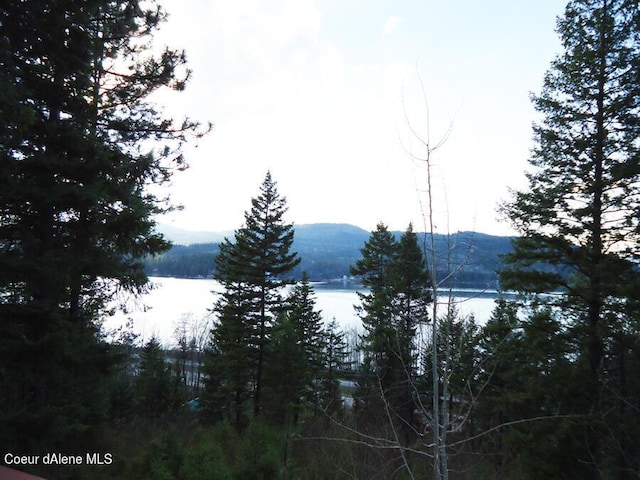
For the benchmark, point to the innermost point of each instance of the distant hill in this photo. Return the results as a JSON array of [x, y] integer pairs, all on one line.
[[180, 236], [328, 250]]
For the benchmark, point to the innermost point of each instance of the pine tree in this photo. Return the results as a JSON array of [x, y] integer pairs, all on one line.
[[412, 296], [295, 356], [578, 218], [499, 379], [308, 324], [457, 363], [399, 293], [527, 386], [156, 392], [230, 361], [252, 269], [287, 372], [376, 313], [75, 211], [335, 363]]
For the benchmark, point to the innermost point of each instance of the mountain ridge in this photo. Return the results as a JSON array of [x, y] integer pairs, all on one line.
[[182, 236], [328, 250]]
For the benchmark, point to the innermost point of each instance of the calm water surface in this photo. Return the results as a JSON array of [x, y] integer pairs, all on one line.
[[175, 299]]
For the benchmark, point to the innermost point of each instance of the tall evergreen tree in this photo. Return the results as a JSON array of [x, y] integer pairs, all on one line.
[[229, 363], [376, 313], [399, 293], [252, 269], [308, 325], [412, 296], [286, 372], [295, 356], [579, 215], [500, 380], [156, 390], [335, 363], [78, 150], [527, 395]]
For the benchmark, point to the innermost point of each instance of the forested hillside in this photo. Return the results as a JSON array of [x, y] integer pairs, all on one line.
[[328, 250]]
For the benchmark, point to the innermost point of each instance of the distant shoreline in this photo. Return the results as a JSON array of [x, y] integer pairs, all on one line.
[[355, 286]]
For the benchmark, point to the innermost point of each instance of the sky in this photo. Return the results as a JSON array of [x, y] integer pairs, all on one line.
[[338, 98]]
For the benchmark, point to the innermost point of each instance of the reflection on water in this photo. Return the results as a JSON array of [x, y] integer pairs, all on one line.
[[174, 299]]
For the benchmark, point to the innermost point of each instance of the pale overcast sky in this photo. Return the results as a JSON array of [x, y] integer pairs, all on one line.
[[313, 90]]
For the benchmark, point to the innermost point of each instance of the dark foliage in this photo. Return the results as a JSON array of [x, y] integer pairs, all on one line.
[[578, 217], [75, 214]]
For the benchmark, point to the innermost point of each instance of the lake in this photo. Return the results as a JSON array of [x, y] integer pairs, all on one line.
[[179, 299]]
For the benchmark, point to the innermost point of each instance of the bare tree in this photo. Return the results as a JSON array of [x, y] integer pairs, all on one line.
[[191, 336], [440, 458]]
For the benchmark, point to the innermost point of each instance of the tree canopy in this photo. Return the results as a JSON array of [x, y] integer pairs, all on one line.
[[578, 216], [252, 270], [80, 143]]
